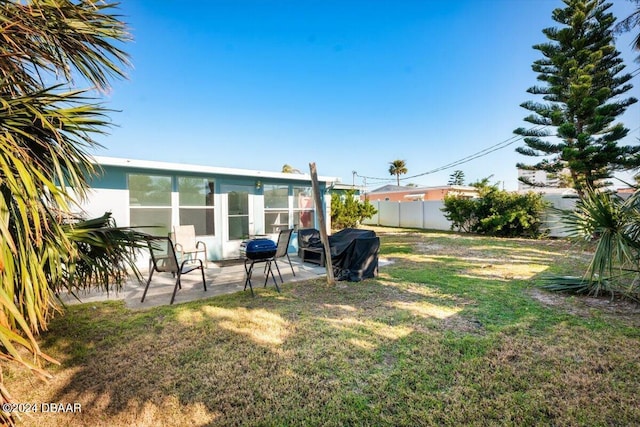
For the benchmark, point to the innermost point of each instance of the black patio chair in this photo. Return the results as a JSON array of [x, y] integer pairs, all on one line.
[[164, 260], [282, 250]]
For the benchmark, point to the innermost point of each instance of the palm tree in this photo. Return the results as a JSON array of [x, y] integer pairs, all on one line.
[[613, 224], [287, 168], [45, 133], [397, 168]]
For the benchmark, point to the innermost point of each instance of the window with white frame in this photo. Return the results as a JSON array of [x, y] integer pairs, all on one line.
[[196, 204], [303, 208], [276, 207], [150, 203]]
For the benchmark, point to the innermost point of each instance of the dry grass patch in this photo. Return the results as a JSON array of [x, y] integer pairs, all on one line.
[[444, 336], [621, 310]]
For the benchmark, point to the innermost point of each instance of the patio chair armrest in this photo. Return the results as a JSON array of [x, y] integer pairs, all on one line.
[[190, 267]]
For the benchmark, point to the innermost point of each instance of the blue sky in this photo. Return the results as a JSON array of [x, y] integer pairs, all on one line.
[[349, 85]]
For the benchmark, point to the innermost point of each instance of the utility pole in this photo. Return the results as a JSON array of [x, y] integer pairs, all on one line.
[[364, 189], [353, 182], [323, 225]]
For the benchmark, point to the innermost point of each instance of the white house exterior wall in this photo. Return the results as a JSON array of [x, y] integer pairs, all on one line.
[[101, 200], [110, 193]]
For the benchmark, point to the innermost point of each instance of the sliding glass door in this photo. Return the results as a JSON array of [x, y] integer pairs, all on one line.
[[237, 211]]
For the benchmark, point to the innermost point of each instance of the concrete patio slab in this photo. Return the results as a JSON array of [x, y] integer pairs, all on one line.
[[221, 278]]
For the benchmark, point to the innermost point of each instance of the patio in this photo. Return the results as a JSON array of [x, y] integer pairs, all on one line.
[[221, 278]]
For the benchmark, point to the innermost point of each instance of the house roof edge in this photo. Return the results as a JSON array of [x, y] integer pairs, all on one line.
[[186, 167]]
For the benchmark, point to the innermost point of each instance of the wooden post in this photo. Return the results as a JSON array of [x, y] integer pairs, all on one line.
[[323, 224]]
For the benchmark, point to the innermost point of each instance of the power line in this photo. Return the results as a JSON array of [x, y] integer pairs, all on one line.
[[477, 155], [463, 160], [469, 158]]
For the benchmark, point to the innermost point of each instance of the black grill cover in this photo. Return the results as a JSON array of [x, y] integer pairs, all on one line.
[[354, 254]]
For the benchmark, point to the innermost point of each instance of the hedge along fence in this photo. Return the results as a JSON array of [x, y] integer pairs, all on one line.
[[428, 214]]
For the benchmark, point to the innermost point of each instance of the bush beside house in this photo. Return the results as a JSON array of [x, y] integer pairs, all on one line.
[[347, 211]]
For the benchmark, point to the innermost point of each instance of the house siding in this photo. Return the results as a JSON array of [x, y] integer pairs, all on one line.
[[418, 193], [109, 192]]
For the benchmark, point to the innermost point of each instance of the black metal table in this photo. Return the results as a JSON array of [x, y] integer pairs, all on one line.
[[248, 268]]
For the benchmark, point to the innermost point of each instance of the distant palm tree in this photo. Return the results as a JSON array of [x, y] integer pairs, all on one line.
[[287, 168], [397, 168]]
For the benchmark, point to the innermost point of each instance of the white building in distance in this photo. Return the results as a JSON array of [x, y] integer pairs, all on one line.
[[543, 178]]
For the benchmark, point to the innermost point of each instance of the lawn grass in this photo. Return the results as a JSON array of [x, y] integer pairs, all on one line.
[[454, 332]]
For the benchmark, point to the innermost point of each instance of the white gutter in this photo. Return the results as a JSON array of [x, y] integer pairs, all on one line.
[[214, 170]]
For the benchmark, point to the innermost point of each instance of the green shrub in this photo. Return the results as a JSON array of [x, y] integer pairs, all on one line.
[[496, 212], [461, 211], [348, 211], [613, 224]]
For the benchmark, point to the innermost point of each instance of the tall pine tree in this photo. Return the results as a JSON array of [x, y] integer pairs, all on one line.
[[583, 87], [456, 178]]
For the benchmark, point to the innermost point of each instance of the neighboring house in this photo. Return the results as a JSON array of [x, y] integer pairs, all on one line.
[[342, 189], [626, 191], [225, 205], [551, 191], [396, 193]]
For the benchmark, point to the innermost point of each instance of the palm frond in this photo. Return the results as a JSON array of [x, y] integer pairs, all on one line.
[[614, 224], [57, 37], [105, 254], [569, 284], [44, 136]]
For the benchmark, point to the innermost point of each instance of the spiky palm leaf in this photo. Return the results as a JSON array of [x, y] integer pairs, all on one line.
[[105, 254], [614, 224], [629, 24], [58, 37], [611, 221], [571, 284], [44, 135]]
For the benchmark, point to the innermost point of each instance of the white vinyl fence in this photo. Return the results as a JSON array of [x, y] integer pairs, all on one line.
[[428, 214]]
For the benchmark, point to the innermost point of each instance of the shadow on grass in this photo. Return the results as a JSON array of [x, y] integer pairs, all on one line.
[[432, 333], [303, 356]]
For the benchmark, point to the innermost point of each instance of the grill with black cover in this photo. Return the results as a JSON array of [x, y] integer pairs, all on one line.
[[354, 254]]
